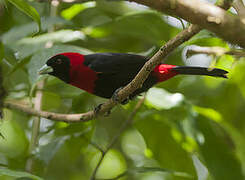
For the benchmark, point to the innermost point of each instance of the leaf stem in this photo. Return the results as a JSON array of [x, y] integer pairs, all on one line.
[[35, 127], [38, 102], [116, 137]]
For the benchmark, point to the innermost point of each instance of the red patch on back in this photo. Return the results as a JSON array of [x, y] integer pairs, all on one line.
[[164, 72], [81, 76]]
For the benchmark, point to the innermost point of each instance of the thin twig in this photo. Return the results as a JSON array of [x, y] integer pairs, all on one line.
[[116, 137], [94, 144], [216, 51], [69, 118], [126, 123], [35, 128], [2, 92]]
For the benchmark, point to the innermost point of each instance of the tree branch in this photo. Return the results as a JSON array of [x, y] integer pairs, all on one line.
[[216, 51], [70, 118], [206, 15]]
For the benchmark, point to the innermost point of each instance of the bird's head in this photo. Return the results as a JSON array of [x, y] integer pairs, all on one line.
[[59, 65]]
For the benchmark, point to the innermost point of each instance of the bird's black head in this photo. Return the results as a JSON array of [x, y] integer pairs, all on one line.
[[58, 66]]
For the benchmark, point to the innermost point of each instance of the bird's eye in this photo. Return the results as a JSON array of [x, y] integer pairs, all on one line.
[[58, 61]]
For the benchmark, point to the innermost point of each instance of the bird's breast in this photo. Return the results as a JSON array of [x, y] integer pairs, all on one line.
[[83, 77]]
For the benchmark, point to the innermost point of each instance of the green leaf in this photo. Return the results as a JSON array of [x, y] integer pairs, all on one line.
[[28, 10], [28, 46], [63, 129], [47, 152], [238, 75], [90, 17], [133, 145], [75, 9], [209, 113], [217, 150], [18, 32], [206, 38], [63, 36], [18, 65], [166, 150], [138, 27], [15, 143], [112, 165], [106, 128], [161, 99], [158, 169], [239, 141], [81, 100], [115, 7], [18, 174], [50, 101], [142, 24], [54, 85], [202, 171], [1, 52]]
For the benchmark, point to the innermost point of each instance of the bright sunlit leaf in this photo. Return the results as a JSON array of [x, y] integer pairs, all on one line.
[[133, 145], [161, 99], [208, 112], [76, 9], [113, 165]]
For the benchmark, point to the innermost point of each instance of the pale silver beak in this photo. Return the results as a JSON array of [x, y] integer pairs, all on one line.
[[45, 69]]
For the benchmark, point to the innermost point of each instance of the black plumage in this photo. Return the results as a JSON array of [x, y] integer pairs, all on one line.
[[116, 70]]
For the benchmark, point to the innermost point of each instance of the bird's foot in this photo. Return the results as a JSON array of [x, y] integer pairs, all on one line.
[[97, 110], [115, 95], [116, 99], [125, 101]]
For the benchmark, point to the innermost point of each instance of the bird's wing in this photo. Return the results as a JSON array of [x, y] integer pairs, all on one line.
[[110, 63], [115, 70]]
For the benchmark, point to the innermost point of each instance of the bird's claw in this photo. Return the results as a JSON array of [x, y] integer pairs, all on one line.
[[97, 110], [116, 99], [125, 101], [115, 95]]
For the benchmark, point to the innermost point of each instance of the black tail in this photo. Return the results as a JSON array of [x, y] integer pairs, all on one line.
[[193, 70]]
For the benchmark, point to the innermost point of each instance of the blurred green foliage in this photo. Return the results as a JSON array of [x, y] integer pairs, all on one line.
[[188, 128]]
